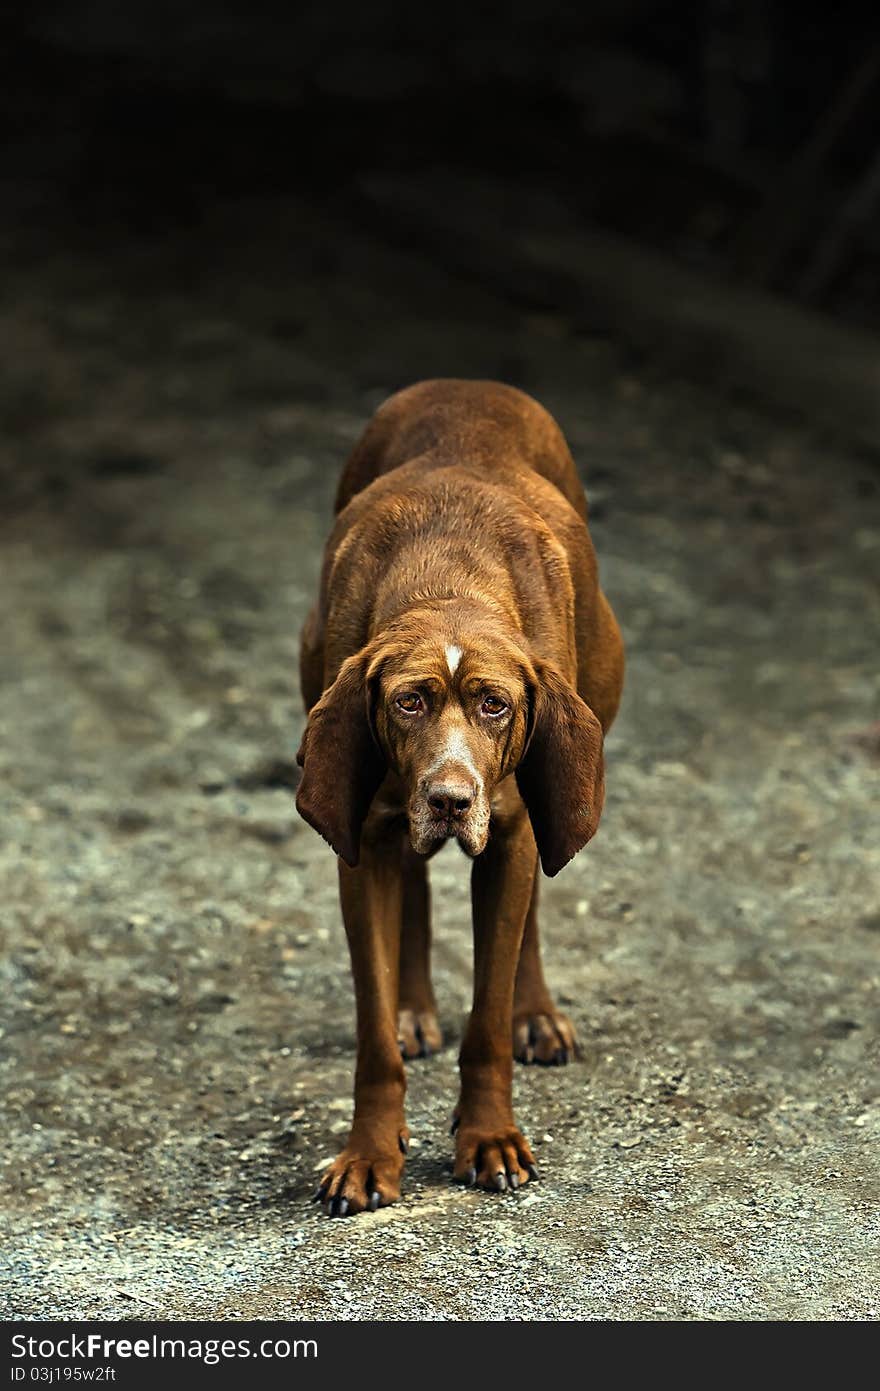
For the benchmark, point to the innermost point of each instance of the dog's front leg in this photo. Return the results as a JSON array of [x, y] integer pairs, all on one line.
[[367, 1173], [489, 1149]]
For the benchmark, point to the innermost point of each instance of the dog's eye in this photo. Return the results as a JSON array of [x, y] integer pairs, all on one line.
[[493, 705], [410, 703]]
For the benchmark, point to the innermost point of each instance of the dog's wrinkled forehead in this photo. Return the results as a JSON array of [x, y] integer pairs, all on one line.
[[449, 665]]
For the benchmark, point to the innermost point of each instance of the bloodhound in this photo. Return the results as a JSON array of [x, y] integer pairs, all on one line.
[[459, 670]]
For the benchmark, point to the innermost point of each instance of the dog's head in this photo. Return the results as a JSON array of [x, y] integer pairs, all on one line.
[[452, 714]]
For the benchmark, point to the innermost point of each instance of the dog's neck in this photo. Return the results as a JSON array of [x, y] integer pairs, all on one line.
[[462, 614]]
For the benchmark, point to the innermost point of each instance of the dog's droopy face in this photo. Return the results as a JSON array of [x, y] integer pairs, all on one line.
[[452, 722], [451, 714]]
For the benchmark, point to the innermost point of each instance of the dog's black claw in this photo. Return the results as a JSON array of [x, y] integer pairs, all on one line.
[[342, 1209], [533, 1171], [514, 1180], [454, 1126], [471, 1177], [404, 1147], [501, 1182], [374, 1201], [318, 1195]]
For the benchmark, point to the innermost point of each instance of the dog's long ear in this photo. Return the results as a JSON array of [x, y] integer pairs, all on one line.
[[342, 763], [561, 777]]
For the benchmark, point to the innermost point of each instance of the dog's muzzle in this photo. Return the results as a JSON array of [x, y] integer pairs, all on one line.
[[446, 808]]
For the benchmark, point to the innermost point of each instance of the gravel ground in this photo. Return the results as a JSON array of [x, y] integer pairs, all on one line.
[[176, 1003]]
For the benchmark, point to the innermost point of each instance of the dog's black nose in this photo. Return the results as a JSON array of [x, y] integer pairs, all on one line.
[[449, 800]]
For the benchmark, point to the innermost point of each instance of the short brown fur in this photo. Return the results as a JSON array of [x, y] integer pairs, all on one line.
[[460, 670]]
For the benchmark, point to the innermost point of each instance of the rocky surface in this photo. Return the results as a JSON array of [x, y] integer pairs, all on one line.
[[176, 1006]]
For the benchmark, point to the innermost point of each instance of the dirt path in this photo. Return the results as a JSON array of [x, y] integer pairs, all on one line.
[[176, 1008]]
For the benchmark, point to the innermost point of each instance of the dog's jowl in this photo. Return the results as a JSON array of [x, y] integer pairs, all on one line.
[[459, 670]]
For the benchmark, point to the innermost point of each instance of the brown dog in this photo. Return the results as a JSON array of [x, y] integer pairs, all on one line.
[[459, 670]]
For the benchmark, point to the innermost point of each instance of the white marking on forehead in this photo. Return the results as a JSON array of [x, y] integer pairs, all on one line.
[[453, 657]]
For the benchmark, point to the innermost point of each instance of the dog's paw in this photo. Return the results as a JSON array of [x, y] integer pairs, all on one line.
[[418, 1033], [545, 1036], [357, 1181], [496, 1160]]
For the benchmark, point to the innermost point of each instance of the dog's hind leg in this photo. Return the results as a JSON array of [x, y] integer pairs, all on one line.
[[541, 1032], [418, 1031]]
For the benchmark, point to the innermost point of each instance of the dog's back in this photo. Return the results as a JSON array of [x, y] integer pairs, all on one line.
[[486, 426], [487, 463]]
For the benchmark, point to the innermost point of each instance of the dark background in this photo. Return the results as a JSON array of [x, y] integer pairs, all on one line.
[[731, 135]]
